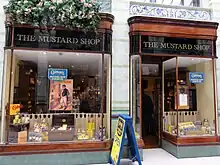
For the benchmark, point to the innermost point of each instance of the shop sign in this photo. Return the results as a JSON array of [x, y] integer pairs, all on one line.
[[196, 77], [14, 109], [57, 74], [178, 46], [124, 127], [60, 39]]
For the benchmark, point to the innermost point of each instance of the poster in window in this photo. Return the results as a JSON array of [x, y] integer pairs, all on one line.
[[183, 97], [61, 95]]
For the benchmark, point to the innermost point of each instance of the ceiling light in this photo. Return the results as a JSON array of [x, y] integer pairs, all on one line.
[[44, 52]]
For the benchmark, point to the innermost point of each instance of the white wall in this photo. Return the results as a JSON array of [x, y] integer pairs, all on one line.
[[120, 57]]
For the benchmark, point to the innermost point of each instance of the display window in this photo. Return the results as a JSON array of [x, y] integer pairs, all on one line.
[[57, 96], [189, 106]]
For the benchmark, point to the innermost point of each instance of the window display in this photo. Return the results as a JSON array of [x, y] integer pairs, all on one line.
[[58, 96], [194, 112]]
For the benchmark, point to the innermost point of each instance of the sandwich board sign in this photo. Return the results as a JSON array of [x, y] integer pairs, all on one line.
[[124, 127]]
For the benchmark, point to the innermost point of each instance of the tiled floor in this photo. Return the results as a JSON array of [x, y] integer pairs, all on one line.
[[161, 157]]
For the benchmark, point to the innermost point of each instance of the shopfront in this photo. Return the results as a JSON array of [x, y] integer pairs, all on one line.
[[57, 91], [173, 86]]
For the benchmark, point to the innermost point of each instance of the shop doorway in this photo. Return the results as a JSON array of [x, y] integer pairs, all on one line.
[[151, 100]]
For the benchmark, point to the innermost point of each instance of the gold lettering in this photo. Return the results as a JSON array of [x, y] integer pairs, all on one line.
[[180, 46], [151, 45], [145, 44], [184, 47], [196, 47], [53, 39], [19, 37], [58, 39], [63, 41], [189, 46], [163, 45], [32, 38], [156, 44], [43, 39]]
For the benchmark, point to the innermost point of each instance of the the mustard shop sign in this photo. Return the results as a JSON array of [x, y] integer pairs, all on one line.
[[171, 45], [176, 46], [59, 39]]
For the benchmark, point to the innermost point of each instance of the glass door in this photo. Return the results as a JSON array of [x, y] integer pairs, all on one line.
[[135, 92]]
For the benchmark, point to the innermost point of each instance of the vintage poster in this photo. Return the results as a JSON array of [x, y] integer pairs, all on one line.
[[61, 95]]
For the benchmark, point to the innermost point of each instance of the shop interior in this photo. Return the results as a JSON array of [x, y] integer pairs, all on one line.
[[180, 106], [77, 108]]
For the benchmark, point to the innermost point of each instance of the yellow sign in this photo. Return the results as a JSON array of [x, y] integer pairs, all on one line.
[[116, 147], [14, 109], [186, 125]]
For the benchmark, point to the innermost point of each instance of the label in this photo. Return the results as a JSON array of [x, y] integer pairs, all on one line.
[[196, 77], [57, 74], [22, 137], [116, 147], [14, 109]]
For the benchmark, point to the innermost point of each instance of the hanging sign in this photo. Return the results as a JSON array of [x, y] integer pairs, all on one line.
[[57, 74], [196, 77], [14, 109], [124, 126]]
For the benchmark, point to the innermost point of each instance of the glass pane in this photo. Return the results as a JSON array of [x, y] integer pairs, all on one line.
[[196, 111], [135, 93], [6, 85], [107, 98], [169, 96], [59, 96]]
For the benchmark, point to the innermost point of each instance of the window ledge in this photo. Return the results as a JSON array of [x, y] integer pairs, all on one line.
[[48, 148], [191, 141]]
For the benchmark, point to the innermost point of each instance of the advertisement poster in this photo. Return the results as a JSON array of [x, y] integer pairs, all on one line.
[[196, 77], [57, 74], [116, 147], [14, 109], [61, 95]]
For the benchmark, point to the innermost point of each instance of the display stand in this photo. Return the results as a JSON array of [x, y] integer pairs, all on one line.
[[124, 126]]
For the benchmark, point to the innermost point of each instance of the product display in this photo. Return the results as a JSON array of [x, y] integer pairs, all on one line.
[[197, 128], [39, 132]]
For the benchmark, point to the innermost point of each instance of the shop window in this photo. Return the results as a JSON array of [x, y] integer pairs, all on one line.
[[193, 112], [57, 96]]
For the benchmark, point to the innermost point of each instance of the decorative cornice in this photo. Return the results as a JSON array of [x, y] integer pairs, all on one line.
[[106, 16], [168, 11], [105, 5], [163, 21]]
